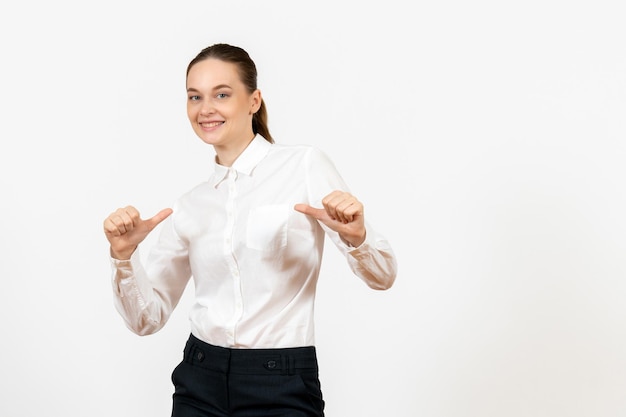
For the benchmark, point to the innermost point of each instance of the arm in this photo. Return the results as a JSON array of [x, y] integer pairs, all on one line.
[[145, 298], [342, 216]]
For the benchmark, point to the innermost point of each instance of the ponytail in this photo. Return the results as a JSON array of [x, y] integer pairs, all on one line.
[[259, 123]]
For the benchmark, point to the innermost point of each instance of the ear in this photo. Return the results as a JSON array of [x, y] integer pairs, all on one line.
[[255, 101]]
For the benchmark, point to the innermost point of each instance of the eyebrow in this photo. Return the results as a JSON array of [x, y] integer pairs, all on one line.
[[217, 87]]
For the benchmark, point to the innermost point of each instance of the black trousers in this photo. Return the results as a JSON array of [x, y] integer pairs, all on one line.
[[213, 381]]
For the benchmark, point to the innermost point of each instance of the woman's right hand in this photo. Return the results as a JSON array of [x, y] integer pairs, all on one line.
[[125, 230]]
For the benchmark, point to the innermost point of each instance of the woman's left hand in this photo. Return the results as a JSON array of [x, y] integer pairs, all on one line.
[[342, 213]]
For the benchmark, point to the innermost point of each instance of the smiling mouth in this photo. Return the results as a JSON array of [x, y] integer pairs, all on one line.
[[211, 124]]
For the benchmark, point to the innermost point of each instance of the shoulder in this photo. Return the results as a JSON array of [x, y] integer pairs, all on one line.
[[308, 162], [306, 152]]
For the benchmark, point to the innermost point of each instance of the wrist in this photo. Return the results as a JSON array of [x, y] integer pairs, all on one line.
[[122, 255], [356, 240]]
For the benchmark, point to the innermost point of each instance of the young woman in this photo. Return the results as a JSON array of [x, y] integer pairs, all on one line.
[[252, 238]]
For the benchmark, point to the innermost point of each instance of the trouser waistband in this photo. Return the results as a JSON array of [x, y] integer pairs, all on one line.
[[286, 361]]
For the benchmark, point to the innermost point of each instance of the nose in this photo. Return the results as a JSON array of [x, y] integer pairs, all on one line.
[[206, 109]]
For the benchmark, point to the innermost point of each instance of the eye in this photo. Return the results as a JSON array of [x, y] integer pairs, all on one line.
[[221, 95], [194, 98]]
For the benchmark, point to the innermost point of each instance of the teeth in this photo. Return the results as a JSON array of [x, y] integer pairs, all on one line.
[[212, 124]]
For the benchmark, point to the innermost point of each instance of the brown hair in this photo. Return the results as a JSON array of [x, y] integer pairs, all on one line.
[[247, 73]]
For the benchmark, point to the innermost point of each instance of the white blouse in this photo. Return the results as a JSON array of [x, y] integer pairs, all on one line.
[[254, 260]]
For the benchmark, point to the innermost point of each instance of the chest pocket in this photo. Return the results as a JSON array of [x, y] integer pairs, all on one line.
[[267, 227]]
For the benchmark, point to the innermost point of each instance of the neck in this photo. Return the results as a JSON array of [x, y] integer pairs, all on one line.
[[227, 155]]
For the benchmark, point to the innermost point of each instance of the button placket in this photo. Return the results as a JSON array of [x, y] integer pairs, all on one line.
[[230, 256]]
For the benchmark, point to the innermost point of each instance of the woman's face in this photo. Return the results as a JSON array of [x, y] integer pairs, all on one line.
[[219, 106]]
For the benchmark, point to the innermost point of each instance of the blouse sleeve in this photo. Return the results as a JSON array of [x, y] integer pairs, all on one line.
[[374, 260], [145, 298]]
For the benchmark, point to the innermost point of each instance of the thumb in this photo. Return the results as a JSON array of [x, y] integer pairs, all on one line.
[[310, 211], [158, 218]]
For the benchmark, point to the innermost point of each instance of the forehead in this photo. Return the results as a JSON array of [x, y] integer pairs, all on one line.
[[212, 72]]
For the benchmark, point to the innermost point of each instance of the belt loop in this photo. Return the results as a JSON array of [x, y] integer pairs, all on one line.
[[292, 365], [284, 370]]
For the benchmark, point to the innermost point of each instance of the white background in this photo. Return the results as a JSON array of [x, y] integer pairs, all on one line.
[[486, 140]]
